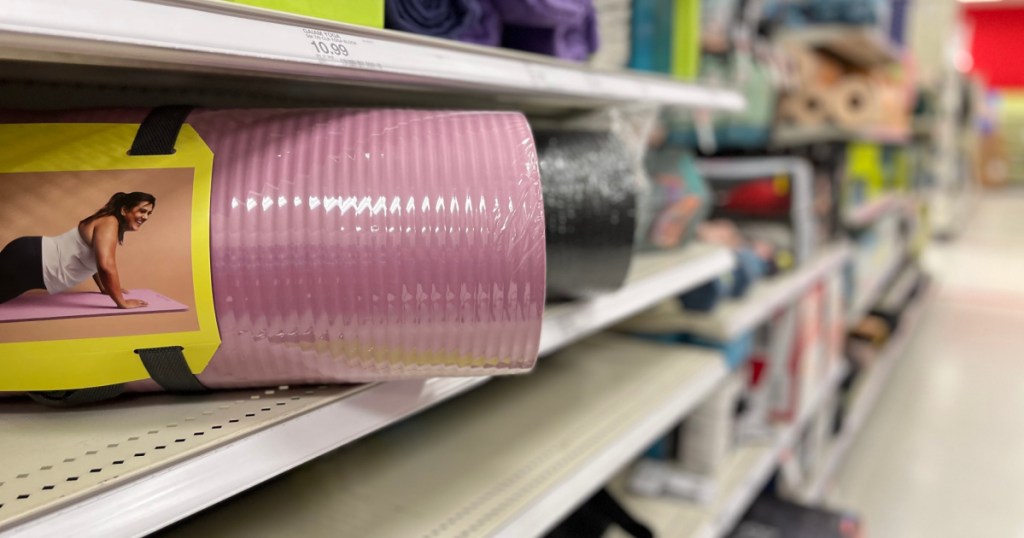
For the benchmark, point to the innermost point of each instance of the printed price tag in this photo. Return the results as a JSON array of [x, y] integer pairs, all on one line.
[[338, 49]]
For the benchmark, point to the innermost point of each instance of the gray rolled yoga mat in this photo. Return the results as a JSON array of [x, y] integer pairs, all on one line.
[[590, 196]]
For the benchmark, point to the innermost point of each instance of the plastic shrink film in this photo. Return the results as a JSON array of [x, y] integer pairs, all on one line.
[[590, 197]]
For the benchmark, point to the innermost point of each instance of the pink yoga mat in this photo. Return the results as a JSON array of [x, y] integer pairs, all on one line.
[[82, 305], [368, 245]]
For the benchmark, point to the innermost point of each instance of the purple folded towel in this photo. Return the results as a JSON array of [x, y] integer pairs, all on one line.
[[487, 29], [543, 13], [475, 21], [570, 41]]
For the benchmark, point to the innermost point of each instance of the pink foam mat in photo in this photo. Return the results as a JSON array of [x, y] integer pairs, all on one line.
[[33, 307]]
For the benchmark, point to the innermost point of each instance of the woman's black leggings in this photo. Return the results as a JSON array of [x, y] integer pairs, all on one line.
[[21, 267]]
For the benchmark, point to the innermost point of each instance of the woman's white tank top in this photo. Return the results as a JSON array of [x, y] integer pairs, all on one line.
[[67, 261]]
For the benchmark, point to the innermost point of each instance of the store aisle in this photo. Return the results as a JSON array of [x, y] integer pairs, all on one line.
[[943, 453]]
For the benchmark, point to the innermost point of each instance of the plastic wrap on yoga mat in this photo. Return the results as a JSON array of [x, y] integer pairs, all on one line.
[[590, 188], [366, 245], [473, 21]]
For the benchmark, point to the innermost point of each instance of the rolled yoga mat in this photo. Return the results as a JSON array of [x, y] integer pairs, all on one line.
[[807, 108], [853, 103], [472, 21], [590, 197], [368, 245]]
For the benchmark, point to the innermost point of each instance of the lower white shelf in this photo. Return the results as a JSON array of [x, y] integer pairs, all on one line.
[[136, 465], [509, 459], [901, 289], [869, 212], [736, 316], [653, 276], [867, 298], [141, 463], [738, 482]]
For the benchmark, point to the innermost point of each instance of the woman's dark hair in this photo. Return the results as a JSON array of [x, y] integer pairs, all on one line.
[[118, 202]]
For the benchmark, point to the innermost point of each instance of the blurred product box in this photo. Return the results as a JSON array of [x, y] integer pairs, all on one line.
[[803, 351], [665, 37]]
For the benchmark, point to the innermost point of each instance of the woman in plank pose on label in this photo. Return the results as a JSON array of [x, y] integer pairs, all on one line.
[[62, 262]]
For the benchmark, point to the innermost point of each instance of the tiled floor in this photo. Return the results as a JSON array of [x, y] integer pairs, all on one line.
[[943, 453]]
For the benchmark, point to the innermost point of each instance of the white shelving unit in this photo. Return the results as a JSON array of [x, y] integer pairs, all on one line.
[[509, 459], [800, 173], [866, 395], [204, 37], [292, 432], [133, 466], [901, 289], [653, 276], [741, 478], [735, 317], [869, 296]]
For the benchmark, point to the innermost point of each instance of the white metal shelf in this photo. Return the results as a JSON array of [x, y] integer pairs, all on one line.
[[863, 46], [509, 459], [172, 482], [653, 276], [789, 136], [866, 394], [895, 299], [139, 464], [867, 213], [738, 482], [735, 317], [211, 36], [872, 293]]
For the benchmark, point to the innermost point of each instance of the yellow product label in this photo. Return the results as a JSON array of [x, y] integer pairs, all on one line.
[[864, 165], [784, 259], [780, 185], [58, 182]]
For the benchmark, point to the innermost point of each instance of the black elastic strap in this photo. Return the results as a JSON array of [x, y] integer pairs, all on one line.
[[72, 398], [614, 511], [595, 516], [158, 133], [167, 366]]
